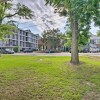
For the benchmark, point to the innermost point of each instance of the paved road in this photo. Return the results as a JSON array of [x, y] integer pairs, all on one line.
[[57, 54]]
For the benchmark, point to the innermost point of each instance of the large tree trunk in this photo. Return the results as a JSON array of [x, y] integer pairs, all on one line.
[[74, 48]]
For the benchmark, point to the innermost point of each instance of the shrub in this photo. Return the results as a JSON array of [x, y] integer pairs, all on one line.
[[15, 49]]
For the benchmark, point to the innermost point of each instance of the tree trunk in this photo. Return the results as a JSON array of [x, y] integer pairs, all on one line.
[[0, 54], [74, 47]]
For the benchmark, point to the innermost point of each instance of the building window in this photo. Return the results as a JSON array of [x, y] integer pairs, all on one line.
[[92, 41], [26, 34]]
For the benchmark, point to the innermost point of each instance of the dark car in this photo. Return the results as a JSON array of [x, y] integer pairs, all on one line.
[[28, 50], [35, 49], [85, 50], [50, 51], [6, 51]]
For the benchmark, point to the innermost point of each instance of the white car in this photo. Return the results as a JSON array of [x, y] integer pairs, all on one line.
[[93, 49]]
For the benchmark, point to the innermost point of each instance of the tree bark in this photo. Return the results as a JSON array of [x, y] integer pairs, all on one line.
[[74, 47], [0, 54]]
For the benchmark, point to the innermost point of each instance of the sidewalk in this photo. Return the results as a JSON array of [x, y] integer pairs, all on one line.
[[56, 54]]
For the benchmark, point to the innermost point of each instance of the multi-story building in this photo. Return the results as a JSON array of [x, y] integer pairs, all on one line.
[[21, 38], [95, 40]]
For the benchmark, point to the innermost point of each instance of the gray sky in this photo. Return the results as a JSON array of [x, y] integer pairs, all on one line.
[[45, 18]]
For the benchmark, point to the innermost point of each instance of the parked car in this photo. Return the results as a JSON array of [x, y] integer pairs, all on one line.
[[35, 49], [49, 51], [85, 50], [6, 51], [98, 50], [28, 50], [94, 50]]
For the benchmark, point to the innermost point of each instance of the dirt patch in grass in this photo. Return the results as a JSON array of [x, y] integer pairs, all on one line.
[[94, 58], [14, 89], [91, 96], [89, 83], [40, 60], [75, 65], [29, 88]]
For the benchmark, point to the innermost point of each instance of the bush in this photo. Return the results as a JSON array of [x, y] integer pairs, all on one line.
[[15, 49]]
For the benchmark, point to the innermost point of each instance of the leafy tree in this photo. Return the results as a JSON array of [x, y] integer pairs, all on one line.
[[68, 37], [5, 7], [82, 41], [79, 14], [52, 37], [6, 29], [98, 33]]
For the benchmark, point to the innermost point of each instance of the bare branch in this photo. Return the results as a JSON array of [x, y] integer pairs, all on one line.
[[11, 15]]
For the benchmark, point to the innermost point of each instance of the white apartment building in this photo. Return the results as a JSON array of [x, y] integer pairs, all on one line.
[[95, 40], [21, 38]]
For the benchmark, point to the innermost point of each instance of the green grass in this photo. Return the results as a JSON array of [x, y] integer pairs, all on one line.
[[49, 78]]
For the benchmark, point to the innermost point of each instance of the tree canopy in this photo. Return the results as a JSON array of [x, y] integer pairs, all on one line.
[[53, 37], [82, 41]]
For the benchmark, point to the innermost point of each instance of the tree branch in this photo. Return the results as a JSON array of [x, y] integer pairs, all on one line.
[[7, 16]]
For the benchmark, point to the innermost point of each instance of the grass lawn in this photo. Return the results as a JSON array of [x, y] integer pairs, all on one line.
[[49, 78]]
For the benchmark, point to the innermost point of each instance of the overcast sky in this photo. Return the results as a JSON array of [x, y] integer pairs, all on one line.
[[45, 18]]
